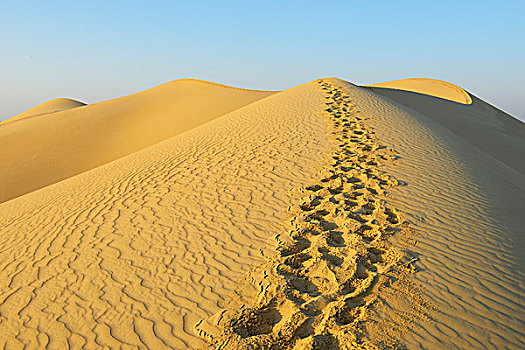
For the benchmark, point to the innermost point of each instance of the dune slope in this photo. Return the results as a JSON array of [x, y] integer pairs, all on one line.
[[135, 252], [479, 123], [465, 197], [321, 217], [466, 252], [63, 144]]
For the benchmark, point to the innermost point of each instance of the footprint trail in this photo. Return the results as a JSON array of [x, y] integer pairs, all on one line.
[[333, 257]]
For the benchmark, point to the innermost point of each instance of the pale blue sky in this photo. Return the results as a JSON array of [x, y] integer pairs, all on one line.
[[97, 50]]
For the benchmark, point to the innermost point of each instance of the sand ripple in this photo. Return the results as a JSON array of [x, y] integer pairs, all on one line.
[[134, 253]]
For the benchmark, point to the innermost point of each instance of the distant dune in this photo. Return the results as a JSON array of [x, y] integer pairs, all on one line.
[[431, 87], [56, 105], [486, 127], [327, 216], [68, 142]]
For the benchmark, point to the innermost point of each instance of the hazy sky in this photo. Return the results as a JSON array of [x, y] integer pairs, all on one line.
[[97, 50]]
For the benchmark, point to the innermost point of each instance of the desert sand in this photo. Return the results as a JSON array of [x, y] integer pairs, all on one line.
[[76, 139], [327, 216]]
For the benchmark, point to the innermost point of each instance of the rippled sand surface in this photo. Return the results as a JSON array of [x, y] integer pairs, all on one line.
[[321, 217]]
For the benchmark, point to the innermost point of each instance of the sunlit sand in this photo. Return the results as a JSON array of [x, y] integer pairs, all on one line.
[[327, 216]]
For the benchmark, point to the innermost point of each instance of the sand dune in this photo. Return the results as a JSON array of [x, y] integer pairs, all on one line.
[[137, 251], [431, 87], [465, 205], [322, 217], [66, 143], [56, 105], [479, 123]]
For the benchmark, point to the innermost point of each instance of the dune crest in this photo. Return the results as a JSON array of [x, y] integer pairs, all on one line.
[[464, 196], [432, 87], [217, 84], [488, 128], [332, 258]]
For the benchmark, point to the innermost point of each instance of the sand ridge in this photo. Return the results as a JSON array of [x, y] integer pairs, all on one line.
[[132, 254], [466, 206], [316, 291], [431, 87], [61, 104], [479, 123], [66, 143], [403, 228], [200, 81]]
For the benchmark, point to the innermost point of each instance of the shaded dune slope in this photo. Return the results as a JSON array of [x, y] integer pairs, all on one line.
[[484, 126], [464, 195], [135, 252], [63, 144]]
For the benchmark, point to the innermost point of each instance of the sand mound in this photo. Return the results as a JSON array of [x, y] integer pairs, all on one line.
[[333, 256], [466, 205], [79, 139], [56, 105], [134, 253], [432, 87], [322, 217], [479, 123]]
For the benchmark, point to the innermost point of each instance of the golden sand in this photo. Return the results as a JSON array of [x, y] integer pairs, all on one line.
[[326, 216], [72, 141]]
